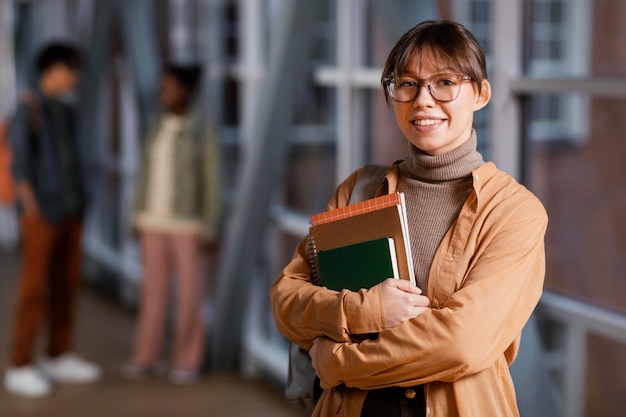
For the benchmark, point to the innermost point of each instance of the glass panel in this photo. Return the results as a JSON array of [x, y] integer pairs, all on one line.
[[606, 393], [583, 187], [230, 27], [540, 50], [230, 102], [545, 107], [480, 11], [325, 32], [582, 183], [575, 165], [310, 178], [555, 49]]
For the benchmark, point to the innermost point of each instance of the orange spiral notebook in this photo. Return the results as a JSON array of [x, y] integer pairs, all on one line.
[[380, 217]]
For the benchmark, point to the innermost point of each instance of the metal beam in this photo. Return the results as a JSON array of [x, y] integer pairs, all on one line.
[[182, 21], [212, 54], [263, 165], [252, 62], [533, 387], [9, 231], [605, 87], [97, 48], [349, 114], [137, 26], [507, 65]]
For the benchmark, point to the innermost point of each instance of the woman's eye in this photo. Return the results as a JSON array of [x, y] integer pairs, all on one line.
[[445, 82], [406, 83]]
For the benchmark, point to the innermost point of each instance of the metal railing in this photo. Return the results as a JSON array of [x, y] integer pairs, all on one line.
[[567, 359]]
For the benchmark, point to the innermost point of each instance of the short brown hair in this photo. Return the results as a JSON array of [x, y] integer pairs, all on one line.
[[448, 41]]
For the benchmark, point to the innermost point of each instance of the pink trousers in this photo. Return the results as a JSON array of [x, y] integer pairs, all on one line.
[[171, 267]]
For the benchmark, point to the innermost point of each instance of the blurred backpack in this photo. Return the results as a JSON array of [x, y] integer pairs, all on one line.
[[7, 185]]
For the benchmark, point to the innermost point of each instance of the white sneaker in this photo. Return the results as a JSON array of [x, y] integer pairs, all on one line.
[[26, 381], [69, 368]]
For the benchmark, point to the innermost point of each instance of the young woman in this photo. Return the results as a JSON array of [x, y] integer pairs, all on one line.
[[176, 212], [444, 347]]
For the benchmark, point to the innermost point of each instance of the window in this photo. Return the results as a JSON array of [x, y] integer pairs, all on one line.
[[556, 39]]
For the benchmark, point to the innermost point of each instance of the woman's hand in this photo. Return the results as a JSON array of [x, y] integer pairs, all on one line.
[[402, 300]]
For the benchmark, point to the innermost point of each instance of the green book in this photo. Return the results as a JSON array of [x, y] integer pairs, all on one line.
[[360, 265]]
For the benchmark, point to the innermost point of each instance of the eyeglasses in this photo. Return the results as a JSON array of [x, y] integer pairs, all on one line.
[[442, 87]]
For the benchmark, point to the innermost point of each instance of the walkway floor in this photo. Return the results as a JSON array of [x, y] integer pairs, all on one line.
[[103, 335]]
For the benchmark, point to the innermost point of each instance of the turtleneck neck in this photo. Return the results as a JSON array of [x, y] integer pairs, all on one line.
[[435, 189], [455, 164]]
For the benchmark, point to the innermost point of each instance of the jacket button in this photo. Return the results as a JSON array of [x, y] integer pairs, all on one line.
[[409, 393]]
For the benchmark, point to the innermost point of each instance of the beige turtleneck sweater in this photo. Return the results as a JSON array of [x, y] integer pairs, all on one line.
[[435, 189]]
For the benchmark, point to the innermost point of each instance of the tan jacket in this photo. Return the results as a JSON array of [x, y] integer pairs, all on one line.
[[485, 280]]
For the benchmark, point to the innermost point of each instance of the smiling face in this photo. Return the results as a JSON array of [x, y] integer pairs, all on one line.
[[432, 126]]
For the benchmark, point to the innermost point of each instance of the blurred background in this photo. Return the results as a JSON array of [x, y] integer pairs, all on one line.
[[293, 87]]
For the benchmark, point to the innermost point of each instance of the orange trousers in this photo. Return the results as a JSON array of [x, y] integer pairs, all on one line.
[[166, 256], [47, 286]]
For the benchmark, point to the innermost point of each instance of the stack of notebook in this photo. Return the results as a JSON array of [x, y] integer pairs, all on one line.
[[360, 245]]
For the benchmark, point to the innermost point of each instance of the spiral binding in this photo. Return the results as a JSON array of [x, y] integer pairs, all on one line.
[[312, 249]]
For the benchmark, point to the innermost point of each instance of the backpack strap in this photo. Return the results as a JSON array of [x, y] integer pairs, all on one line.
[[367, 182], [31, 99], [303, 386]]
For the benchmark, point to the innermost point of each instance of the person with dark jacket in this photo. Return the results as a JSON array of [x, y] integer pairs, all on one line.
[[51, 202]]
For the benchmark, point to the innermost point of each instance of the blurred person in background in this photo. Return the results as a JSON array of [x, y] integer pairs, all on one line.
[[176, 214], [51, 201]]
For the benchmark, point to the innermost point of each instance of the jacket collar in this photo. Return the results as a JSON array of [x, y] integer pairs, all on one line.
[[480, 176]]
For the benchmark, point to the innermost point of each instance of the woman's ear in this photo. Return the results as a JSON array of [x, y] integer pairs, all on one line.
[[485, 95]]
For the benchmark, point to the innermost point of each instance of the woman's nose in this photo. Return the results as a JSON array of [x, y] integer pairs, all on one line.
[[423, 96]]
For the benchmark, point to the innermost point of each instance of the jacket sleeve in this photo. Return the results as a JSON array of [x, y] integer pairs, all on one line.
[[141, 181], [303, 311], [212, 190], [479, 323], [20, 136]]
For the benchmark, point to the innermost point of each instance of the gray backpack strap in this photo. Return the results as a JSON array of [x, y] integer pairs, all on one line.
[[302, 389], [367, 182]]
